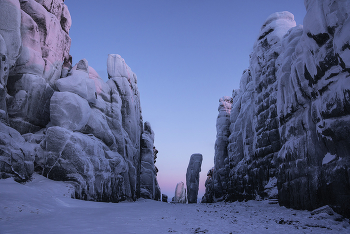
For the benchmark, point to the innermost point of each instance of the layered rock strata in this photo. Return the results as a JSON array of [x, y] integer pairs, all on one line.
[[290, 117], [65, 122], [192, 177]]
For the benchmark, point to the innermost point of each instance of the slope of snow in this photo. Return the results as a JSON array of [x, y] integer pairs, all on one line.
[[45, 206]]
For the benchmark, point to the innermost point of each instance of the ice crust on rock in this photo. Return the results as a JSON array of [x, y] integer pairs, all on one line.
[[192, 177], [180, 193], [69, 111], [290, 118], [148, 174], [65, 122]]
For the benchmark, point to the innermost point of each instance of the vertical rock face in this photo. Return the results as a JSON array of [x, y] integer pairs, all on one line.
[[290, 117], [65, 122], [208, 196], [148, 175], [314, 121], [221, 155], [192, 177]]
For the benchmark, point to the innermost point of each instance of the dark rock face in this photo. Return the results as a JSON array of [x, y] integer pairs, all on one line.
[[148, 175], [208, 196], [314, 123], [192, 177], [290, 118], [65, 122], [164, 198]]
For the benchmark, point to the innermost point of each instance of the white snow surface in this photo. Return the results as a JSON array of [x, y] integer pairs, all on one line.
[[328, 158], [45, 206]]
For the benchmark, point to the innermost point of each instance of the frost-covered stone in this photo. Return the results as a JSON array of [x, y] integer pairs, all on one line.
[[180, 193], [271, 188], [66, 19], [30, 59], [290, 118], [68, 110], [88, 131], [16, 157], [100, 174], [79, 82], [253, 136], [192, 177], [116, 67], [4, 71], [10, 18], [148, 173], [28, 103], [55, 42], [98, 126], [221, 162]]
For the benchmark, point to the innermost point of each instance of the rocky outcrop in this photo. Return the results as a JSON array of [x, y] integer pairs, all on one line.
[[221, 161], [192, 177], [314, 121], [180, 193], [208, 196], [290, 118], [148, 174], [65, 122]]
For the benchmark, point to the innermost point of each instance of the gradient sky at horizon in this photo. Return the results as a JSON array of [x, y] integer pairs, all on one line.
[[187, 54]]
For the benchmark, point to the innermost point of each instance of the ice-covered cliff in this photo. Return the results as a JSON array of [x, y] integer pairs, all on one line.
[[65, 122], [290, 119]]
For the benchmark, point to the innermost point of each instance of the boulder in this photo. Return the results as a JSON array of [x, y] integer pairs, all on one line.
[[98, 126], [192, 177], [16, 155], [79, 82], [99, 174], [68, 110]]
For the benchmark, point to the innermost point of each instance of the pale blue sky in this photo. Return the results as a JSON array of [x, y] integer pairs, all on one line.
[[186, 55]]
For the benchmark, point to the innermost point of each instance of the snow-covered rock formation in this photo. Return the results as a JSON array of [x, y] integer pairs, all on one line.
[[221, 155], [192, 177], [65, 122], [180, 193], [290, 119], [148, 174]]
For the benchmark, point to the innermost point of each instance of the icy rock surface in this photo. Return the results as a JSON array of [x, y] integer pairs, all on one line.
[[290, 118], [221, 155], [192, 177], [148, 175], [180, 193], [65, 122]]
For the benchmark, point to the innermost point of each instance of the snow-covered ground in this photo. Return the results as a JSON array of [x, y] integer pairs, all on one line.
[[45, 206]]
